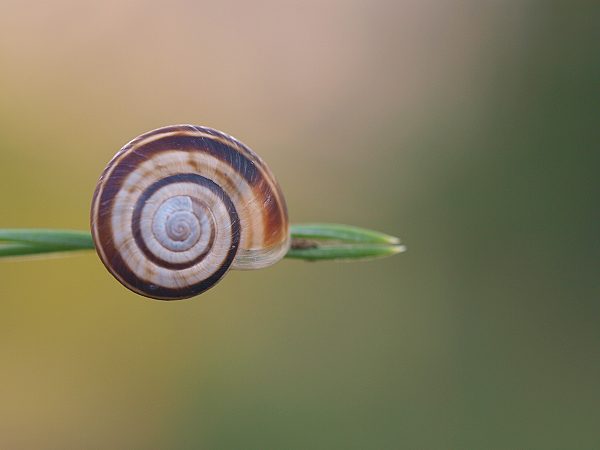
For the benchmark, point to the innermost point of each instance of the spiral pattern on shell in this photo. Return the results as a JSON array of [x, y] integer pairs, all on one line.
[[179, 206]]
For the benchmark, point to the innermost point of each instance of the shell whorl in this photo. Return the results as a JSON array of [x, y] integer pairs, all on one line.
[[179, 206]]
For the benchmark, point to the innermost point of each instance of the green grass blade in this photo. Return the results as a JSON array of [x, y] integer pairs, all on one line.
[[70, 239], [341, 233], [347, 253], [312, 242], [27, 242], [327, 241], [18, 249]]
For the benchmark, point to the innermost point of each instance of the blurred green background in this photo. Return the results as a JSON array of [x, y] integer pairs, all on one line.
[[469, 129]]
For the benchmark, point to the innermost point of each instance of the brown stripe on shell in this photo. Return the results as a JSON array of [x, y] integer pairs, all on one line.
[[275, 222], [229, 186]]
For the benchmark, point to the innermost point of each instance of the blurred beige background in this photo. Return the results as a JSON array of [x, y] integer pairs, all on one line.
[[464, 127]]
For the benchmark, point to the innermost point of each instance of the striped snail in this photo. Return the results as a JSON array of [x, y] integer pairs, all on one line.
[[179, 206]]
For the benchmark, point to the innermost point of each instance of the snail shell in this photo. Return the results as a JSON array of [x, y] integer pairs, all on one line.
[[179, 206]]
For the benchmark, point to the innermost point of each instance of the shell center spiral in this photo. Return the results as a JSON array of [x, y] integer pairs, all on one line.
[[179, 223]]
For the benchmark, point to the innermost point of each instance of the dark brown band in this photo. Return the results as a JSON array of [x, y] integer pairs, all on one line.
[[119, 267], [179, 178]]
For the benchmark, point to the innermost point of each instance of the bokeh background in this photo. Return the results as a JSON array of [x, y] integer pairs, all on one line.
[[468, 128]]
